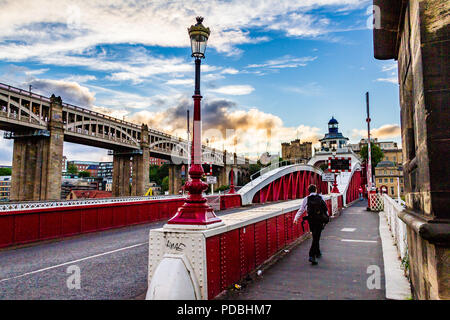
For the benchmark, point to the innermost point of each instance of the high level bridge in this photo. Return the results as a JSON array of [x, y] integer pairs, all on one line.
[[39, 125]]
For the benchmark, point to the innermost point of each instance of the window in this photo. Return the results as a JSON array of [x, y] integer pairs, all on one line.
[[392, 180], [392, 190], [385, 180], [380, 180]]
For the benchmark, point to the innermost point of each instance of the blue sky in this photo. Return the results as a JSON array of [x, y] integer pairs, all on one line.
[[283, 67]]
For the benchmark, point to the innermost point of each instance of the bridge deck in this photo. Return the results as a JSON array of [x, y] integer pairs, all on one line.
[[341, 272]]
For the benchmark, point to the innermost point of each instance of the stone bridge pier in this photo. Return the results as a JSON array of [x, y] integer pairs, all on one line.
[[175, 182], [131, 169], [37, 159]]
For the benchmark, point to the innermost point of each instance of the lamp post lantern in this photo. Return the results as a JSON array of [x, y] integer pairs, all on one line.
[[196, 211]]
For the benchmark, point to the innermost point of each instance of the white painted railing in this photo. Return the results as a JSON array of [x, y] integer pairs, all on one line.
[[31, 205], [398, 228]]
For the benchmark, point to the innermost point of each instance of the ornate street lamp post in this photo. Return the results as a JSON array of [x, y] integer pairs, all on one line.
[[196, 211]]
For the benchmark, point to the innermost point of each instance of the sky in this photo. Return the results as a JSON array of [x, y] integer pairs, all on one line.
[[274, 70]]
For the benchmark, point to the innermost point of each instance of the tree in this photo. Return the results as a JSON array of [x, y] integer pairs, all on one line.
[[376, 153], [84, 174], [5, 171], [72, 169], [253, 168], [158, 173], [165, 184]]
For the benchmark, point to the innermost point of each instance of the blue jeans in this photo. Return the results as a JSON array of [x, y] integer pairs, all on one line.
[[361, 196]]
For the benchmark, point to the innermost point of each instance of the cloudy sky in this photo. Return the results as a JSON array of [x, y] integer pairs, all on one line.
[[274, 70]]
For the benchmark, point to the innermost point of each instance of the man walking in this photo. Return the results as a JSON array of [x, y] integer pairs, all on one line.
[[317, 217]]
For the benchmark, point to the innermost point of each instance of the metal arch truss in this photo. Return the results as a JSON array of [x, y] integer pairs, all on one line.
[[285, 183], [30, 111], [351, 192]]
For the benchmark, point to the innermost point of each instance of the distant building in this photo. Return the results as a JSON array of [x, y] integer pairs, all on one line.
[[64, 164], [5, 185], [108, 184], [333, 139], [69, 184], [156, 189], [394, 155], [386, 174], [88, 194], [157, 161], [105, 170], [93, 170], [82, 165], [383, 145], [296, 150]]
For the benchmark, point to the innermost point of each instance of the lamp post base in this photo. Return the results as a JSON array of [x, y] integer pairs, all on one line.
[[195, 211], [196, 214]]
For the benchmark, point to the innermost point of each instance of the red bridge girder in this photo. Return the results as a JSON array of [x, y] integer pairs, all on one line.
[[291, 186]]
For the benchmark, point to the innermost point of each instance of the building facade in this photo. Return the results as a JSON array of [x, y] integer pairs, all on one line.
[[333, 139], [105, 170], [296, 150], [383, 145], [157, 161], [82, 165], [389, 176], [416, 34], [5, 185]]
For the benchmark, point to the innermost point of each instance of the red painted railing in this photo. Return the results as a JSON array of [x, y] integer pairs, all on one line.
[[229, 201], [232, 255], [352, 190], [25, 226]]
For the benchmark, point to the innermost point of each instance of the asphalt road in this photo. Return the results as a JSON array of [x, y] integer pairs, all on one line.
[[112, 265]]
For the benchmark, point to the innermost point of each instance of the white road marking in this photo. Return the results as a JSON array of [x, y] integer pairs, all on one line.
[[74, 261], [353, 240], [348, 229]]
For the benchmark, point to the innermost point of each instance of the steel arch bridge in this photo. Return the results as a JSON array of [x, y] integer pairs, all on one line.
[[285, 183], [291, 182]]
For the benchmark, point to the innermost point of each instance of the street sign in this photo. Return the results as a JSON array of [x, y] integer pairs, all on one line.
[[329, 177], [211, 179]]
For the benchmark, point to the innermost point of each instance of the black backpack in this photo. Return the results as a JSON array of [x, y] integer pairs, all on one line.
[[317, 210]]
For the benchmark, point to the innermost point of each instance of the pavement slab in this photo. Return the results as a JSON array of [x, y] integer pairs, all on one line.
[[352, 270]]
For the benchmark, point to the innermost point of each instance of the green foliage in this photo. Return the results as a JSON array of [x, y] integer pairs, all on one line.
[[72, 169], [84, 174], [324, 166], [165, 184], [377, 154], [158, 173], [223, 188], [253, 168], [5, 171]]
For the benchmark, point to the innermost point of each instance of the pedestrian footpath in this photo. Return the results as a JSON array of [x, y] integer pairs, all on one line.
[[351, 266]]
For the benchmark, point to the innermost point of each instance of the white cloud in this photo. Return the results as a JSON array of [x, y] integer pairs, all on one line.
[[41, 30], [284, 62], [181, 82], [234, 90], [384, 132], [393, 80]]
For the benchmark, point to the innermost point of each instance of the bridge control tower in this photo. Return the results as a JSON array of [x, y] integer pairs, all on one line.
[[333, 139]]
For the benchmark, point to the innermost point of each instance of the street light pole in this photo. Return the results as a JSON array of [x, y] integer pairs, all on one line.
[[335, 186], [196, 211]]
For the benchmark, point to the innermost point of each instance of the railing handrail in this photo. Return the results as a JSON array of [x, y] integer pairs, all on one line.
[[276, 165]]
